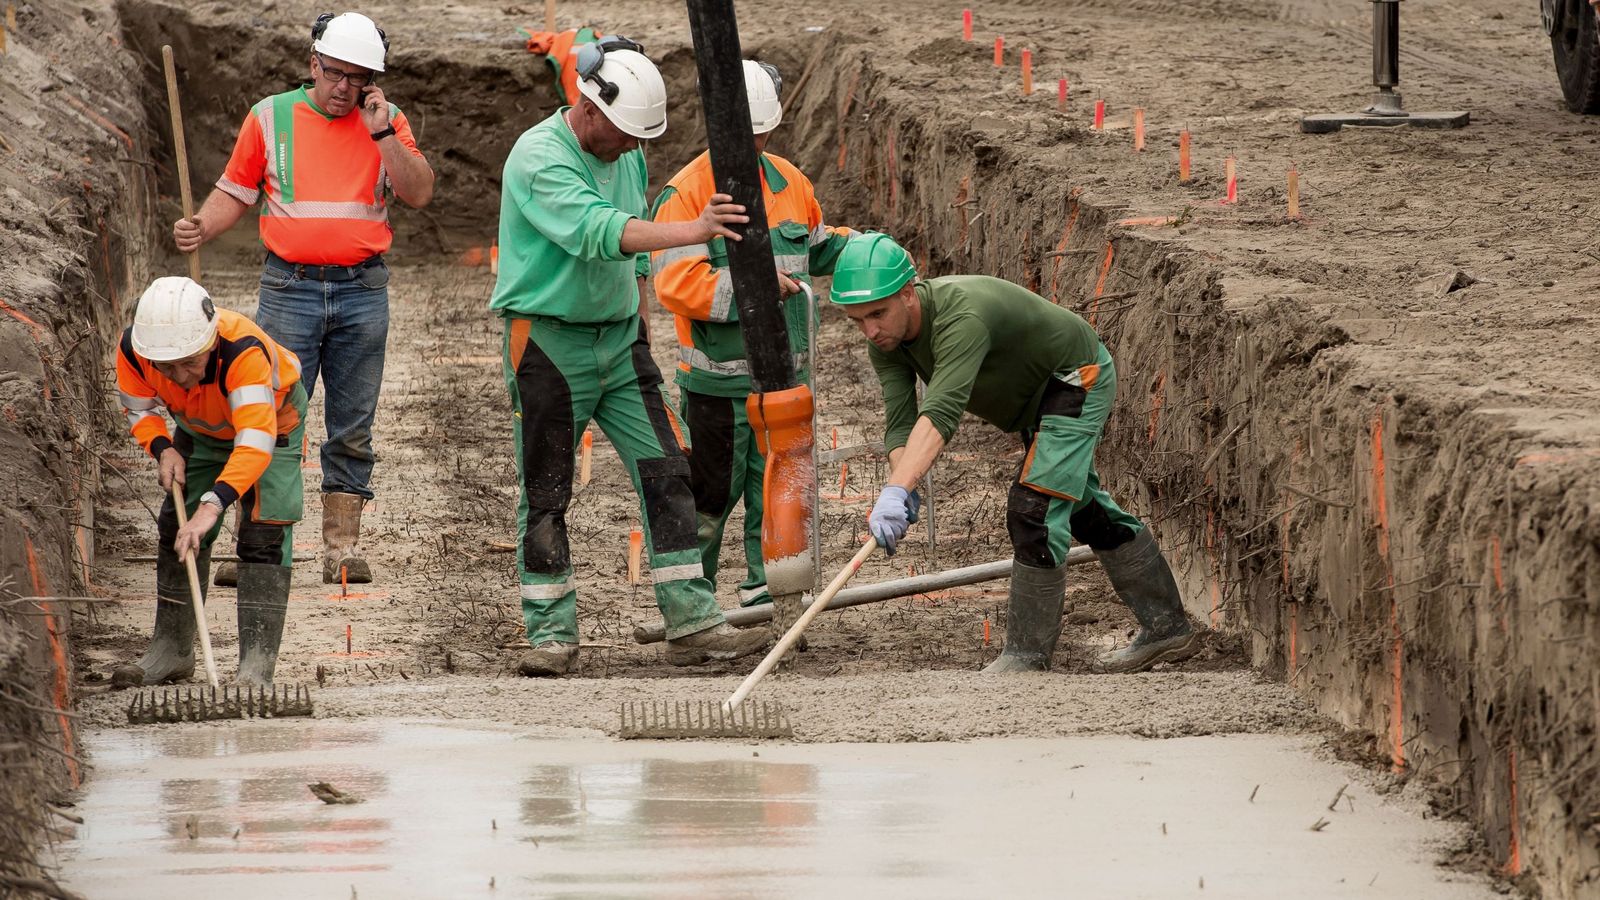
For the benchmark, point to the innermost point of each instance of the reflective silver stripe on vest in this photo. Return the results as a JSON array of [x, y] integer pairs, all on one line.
[[248, 394], [255, 438], [678, 254], [748, 594], [130, 402], [327, 209], [798, 263], [547, 591], [695, 358], [246, 195], [134, 418], [677, 573], [821, 234], [722, 297]]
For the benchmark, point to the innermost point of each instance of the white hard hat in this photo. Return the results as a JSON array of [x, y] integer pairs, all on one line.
[[352, 38], [762, 85], [175, 320], [626, 86]]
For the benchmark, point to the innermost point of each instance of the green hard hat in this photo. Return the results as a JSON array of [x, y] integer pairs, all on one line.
[[871, 267]]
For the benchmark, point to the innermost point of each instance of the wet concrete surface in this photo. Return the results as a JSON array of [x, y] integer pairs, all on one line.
[[469, 809]]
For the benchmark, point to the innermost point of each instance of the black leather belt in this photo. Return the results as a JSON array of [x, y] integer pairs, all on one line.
[[322, 273]]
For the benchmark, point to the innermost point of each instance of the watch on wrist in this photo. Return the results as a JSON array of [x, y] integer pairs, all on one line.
[[212, 498], [380, 135]]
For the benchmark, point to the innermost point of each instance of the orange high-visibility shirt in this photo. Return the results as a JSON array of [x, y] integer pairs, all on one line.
[[243, 398], [323, 181]]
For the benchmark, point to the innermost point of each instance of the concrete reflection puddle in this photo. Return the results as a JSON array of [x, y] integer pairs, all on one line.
[[450, 806]]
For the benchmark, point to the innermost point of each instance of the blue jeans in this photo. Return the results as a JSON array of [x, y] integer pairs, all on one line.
[[338, 328]]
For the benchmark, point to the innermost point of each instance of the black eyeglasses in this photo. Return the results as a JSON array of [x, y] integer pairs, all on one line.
[[338, 75], [592, 56]]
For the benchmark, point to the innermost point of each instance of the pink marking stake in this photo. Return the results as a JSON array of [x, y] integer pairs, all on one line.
[[966, 24], [1099, 114], [1061, 95], [1230, 172], [999, 51]]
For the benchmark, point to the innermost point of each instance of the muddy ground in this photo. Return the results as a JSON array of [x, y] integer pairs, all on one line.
[[1377, 487]]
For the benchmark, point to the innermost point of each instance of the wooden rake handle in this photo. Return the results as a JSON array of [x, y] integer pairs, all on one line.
[[196, 598], [799, 627], [181, 151]]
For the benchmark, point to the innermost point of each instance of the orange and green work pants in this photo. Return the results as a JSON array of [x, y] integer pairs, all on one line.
[[562, 375]]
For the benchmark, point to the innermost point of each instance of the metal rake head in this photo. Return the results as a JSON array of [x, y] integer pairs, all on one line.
[[704, 719], [207, 704]]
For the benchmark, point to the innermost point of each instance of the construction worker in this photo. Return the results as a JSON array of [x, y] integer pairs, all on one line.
[[323, 158], [573, 239], [1005, 354], [713, 377], [239, 404], [560, 50]]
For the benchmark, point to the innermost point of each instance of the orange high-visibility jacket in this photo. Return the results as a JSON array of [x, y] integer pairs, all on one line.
[[243, 397], [323, 179], [560, 50], [695, 285]]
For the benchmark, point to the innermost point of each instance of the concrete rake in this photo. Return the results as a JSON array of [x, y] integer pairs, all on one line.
[[207, 704], [737, 716]]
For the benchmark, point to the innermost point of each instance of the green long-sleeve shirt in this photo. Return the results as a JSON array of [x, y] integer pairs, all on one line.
[[986, 346], [562, 212]]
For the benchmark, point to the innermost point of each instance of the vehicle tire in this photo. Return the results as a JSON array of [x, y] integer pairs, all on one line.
[[1575, 38]]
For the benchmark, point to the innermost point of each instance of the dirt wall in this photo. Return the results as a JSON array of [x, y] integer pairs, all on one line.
[[1410, 560], [75, 194]]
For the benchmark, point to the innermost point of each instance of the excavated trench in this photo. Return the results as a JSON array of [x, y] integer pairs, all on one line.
[[1372, 543]]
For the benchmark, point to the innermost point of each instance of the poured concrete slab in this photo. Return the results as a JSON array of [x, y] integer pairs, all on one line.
[[456, 810]]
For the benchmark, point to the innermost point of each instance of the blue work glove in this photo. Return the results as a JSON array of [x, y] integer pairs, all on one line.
[[913, 506], [891, 517]]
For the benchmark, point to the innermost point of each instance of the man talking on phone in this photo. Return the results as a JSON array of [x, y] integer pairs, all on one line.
[[323, 177]]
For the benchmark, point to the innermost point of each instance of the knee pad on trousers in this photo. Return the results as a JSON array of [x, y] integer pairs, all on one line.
[[1091, 525], [544, 548], [668, 503], [1025, 522], [261, 542]]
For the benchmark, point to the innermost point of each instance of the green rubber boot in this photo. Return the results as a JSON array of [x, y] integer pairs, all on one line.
[[170, 656], [263, 605], [1033, 619], [1144, 583]]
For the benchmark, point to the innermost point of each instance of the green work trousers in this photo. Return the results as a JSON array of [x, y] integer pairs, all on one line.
[[561, 375], [1057, 497]]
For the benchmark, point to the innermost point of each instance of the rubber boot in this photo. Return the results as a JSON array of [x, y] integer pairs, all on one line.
[[1033, 619], [263, 604], [550, 659], [170, 656], [227, 575], [719, 642], [341, 529], [1144, 583]]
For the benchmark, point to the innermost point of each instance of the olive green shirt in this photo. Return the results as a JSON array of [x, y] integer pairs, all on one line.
[[986, 346]]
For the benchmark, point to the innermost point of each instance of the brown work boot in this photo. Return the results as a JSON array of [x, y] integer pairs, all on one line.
[[227, 575], [341, 528], [550, 659], [719, 642]]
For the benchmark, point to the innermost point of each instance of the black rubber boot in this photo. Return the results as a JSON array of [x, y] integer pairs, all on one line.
[[1144, 583], [1033, 619], [170, 656], [263, 604]]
